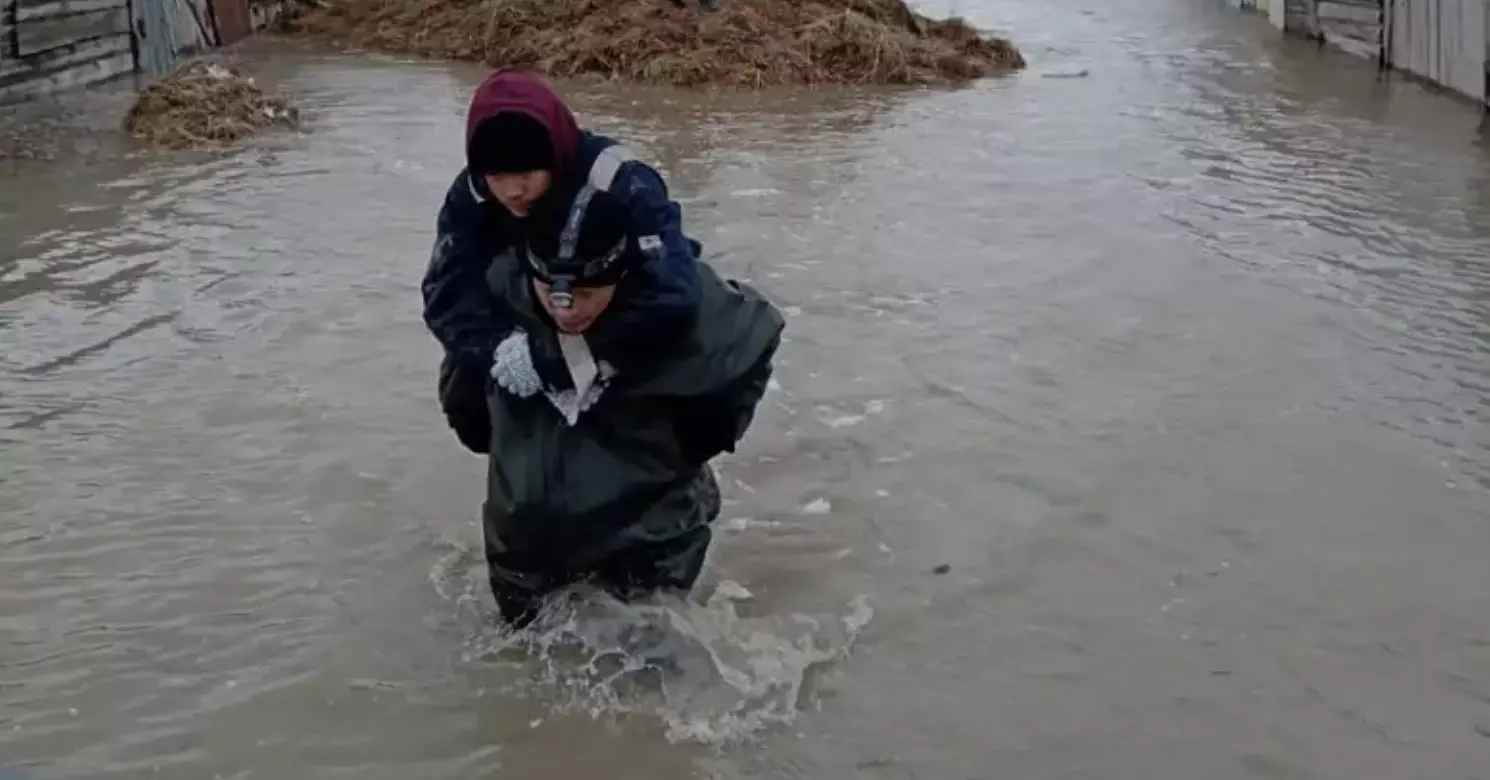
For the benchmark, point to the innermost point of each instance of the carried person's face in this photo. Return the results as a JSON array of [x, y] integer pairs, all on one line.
[[519, 191], [587, 306]]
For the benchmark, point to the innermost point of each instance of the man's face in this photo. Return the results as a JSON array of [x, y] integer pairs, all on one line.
[[589, 303], [519, 191]]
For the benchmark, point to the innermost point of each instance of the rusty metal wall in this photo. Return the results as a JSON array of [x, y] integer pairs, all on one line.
[[233, 21]]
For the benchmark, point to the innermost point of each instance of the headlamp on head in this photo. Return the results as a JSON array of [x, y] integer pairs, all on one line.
[[569, 267]]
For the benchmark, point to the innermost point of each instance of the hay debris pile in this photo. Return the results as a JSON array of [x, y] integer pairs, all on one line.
[[745, 43], [205, 105]]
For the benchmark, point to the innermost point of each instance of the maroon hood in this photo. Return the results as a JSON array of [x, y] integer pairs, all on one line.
[[525, 92]]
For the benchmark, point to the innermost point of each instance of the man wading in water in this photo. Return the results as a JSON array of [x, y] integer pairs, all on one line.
[[597, 363]]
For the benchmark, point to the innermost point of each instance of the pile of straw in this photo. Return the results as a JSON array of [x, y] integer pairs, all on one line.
[[205, 105], [745, 43]]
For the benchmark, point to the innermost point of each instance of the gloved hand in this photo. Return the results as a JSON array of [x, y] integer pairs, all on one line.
[[512, 366]]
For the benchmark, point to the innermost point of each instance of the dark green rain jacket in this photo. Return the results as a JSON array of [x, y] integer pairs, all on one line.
[[632, 471]]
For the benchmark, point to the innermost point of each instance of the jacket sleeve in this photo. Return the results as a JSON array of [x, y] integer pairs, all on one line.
[[462, 394], [669, 300], [459, 308], [715, 423]]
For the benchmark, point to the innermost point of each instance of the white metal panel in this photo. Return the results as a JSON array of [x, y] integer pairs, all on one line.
[[1458, 55], [1446, 48], [1423, 46], [1278, 13], [1469, 53], [1413, 29], [1444, 41]]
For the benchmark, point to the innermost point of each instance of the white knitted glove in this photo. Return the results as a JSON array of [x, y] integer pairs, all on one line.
[[512, 366]]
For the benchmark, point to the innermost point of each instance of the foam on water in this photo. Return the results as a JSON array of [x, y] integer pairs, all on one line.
[[709, 673]]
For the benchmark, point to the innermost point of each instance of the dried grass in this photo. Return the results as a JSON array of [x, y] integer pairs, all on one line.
[[745, 43], [204, 105]]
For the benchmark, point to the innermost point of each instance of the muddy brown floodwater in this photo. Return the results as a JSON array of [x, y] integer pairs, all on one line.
[[1144, 408]]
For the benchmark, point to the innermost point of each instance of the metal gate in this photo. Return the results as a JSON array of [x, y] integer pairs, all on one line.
[[1445, 41], [155, 38]]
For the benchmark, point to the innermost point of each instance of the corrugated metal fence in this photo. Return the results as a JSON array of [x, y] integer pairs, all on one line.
[[1444, 41], [155, 40]]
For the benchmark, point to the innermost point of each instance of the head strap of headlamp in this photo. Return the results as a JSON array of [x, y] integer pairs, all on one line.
[[564, 272]]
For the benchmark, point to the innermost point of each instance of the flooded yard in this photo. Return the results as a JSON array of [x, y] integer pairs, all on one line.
[[1141, 398]]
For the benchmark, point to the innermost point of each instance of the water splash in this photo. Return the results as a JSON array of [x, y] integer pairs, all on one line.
[[710, 674]]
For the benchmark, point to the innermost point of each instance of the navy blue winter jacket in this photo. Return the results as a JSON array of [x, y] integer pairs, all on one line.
[[473, 228]]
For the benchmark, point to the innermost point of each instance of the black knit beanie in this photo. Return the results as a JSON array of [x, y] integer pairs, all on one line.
[[603, 225], [510, 142]]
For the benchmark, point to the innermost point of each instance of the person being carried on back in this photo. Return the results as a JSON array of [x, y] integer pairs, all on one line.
[[603, 475], [588, 353], [525, 153]]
